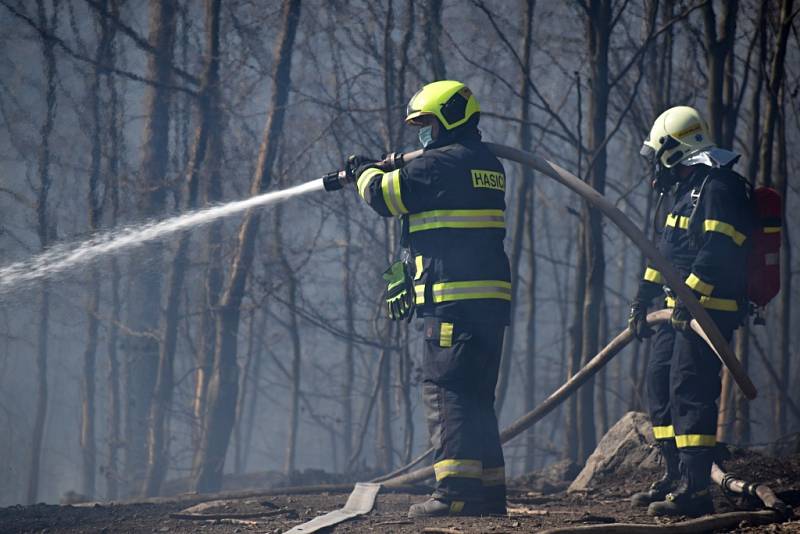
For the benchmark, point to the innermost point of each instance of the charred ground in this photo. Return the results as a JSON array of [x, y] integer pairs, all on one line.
[[536, 502]]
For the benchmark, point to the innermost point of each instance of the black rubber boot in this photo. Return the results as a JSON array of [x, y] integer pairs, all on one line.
[[437, 507], [684, 501], [659, 489], [691, 497]]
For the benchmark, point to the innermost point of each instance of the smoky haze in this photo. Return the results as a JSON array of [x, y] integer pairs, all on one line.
[[260, 339]]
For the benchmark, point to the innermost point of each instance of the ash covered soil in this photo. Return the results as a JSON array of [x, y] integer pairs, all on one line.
[[530, 510]]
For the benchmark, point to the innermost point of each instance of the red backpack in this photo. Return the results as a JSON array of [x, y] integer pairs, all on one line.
[[763, 261]]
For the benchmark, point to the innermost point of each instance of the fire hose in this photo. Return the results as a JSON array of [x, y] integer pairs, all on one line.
[[776, 511], [397, 478], [708, 329], [397, 481]]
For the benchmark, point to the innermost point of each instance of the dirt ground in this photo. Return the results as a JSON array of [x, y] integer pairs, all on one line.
[[531, 511]]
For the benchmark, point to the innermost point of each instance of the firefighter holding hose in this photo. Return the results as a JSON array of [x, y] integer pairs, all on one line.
[[454, 274], [706, 239]]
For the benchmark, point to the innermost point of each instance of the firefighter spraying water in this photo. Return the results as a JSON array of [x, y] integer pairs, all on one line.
[[452, 272]]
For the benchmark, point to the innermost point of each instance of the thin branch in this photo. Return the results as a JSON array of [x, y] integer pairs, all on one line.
[[140, 41], [75, 55]]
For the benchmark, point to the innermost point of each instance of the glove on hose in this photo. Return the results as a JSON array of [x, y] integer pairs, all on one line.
[[637, 321], [681, 318], [355, 165]]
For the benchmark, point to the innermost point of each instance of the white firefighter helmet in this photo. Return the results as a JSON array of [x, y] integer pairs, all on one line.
[[677, 134]]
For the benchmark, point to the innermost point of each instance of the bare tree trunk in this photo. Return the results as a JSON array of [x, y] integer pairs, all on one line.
[[87, 438], [784, 302], [145, 299], [157, 442], [383, 435], [433, 31], [741, 429], [601, 393], [291, 285], [530, 360], [774, 84], [45, 231], [516, 254], [574, 352], [238, 464], [719, 57], [599, 34], [525, 141], [741, 422], [772, 112], [349, 354], [256, 380], [113, 162], [222, 388], [405, 363], [659, 70], [114, 420]]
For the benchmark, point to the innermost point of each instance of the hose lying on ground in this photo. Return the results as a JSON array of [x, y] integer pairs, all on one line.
[[548, 405], [760, 491], [708, 523], [778, 511]]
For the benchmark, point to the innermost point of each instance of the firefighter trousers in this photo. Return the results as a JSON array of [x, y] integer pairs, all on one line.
[[683, 385], [460, 365]]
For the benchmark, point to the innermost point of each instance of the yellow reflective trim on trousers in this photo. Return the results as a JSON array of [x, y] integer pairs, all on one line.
[[772, 229], [495, 476], [419, 294], [390, 185], [651, 275], [711, 303], [431, 220], [446, 335], [458, 468], [678, 221], [475, 289], [664, 432], [710, 225], [418, 266], [366, 177], [698, 285], [456, 507], [695, 440]]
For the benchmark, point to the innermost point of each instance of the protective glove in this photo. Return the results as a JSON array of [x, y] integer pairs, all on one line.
[[681, 318], [355, 165], [399, 292], [637, 321]]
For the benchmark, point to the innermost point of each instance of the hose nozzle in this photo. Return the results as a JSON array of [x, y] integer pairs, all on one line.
[[336, 180]]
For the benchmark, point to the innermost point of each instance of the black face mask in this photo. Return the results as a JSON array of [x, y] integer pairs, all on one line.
[[663, 178]]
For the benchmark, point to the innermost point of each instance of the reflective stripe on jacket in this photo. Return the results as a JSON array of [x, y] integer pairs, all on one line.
[[452, 204], [706, 237]]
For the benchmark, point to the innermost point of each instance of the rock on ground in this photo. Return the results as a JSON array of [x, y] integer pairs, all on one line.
[[627, 446]]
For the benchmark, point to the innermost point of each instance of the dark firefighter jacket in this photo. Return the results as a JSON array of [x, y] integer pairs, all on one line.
[[705, 238], [451, 201]]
